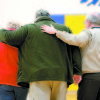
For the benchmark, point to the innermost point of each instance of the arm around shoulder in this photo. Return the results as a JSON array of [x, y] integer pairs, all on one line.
[[13, 37]]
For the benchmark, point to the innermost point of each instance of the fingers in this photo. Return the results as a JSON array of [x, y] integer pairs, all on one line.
[[43, 30], [51, 25], [42, 27], [48, 29], [46, 25], [76, 79]]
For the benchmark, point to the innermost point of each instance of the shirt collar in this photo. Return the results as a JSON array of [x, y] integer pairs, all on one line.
[[44, 18], [94, 27]]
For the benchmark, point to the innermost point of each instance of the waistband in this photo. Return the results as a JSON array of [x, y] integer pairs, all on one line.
[[92, 76]]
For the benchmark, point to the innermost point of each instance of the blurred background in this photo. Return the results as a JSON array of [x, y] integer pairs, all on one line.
[[71, 13]]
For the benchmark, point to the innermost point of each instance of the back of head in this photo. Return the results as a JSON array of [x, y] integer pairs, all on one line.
[[41, 13], [12, 26], [94, 18]]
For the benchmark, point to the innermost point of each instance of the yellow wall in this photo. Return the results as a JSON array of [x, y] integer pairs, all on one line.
[[73, 87], [75, 22]]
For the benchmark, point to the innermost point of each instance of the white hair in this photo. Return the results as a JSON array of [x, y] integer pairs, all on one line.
[[13, 25], [94, 18]]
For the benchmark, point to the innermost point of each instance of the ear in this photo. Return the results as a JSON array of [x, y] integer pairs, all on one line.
[[89, 23]]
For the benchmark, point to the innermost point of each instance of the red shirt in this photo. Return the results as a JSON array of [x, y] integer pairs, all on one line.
[[8, 64]]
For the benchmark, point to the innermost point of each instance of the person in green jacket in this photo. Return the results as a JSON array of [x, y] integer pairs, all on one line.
[[45, 62]]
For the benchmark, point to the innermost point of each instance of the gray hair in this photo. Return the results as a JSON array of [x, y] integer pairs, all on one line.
[[13, 25], [94, 18]]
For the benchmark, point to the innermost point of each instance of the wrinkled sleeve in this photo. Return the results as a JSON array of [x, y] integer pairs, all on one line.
[[77, 40], [13, 37]]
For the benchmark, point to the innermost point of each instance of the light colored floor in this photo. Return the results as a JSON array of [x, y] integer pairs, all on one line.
[[71, 92], [71, 95]]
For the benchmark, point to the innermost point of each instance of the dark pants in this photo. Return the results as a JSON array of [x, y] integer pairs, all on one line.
[[89, 87], [8, 92]]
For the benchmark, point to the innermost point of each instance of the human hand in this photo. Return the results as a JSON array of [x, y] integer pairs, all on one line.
[[48, 29], [77, 79]]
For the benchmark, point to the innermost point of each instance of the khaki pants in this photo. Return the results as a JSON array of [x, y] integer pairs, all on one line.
[[48, 90]]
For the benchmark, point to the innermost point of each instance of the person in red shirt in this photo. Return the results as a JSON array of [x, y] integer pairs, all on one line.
[[9, 90]]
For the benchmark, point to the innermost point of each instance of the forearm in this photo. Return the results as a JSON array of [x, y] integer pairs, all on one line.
[[78, 40], [68, 38], [12, 37]]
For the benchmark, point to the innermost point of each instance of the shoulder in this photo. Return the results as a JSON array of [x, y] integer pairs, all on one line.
[[87, 31], [28, 26], [61, 27]]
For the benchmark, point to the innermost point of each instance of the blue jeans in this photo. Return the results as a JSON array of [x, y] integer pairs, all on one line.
[[8, 92]]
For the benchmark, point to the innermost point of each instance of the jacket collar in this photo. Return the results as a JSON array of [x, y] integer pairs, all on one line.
[[94, 27], [43, 18]]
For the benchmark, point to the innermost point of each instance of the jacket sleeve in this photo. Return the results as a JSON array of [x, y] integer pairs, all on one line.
[[76, 60], [80, 40], [75, 57], [13, 37]]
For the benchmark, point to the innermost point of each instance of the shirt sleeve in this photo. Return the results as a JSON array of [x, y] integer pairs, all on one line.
[[13, 37], [77, 40]]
